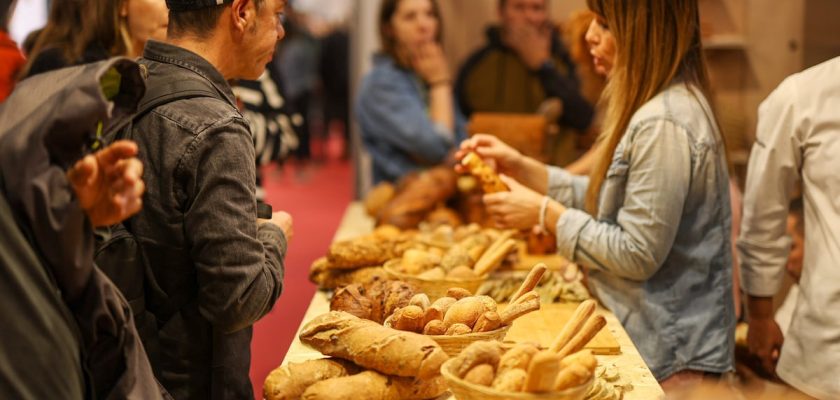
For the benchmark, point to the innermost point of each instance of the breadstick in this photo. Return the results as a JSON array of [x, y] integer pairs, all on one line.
[[529, 296], [514, 311], [503, 237], [583, 337], [573, 325], [530, 281], [542, 373], [492, 258]]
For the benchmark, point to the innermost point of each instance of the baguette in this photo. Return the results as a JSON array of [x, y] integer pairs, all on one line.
[[530, 281], [374, 346], [593, 325], [372, 385], [290, 381], [575, 323]]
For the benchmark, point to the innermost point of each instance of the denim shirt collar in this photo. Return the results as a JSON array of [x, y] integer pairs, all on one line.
[[181, 57]]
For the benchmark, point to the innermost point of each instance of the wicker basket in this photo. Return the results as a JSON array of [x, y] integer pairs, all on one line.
[[435, 289], [468, 391], [453, 345]]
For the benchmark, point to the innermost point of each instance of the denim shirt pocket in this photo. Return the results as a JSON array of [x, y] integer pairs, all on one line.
[[613, 191]]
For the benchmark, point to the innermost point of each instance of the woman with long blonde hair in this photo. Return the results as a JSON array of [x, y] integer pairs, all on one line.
[[651, 223]]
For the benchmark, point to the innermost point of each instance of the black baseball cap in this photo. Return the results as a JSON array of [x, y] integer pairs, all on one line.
[[187, 5]]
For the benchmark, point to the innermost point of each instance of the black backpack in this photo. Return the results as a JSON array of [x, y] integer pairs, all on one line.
[[118, 252]]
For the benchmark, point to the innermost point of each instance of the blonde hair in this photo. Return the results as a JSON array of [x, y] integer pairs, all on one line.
[[657, 42]]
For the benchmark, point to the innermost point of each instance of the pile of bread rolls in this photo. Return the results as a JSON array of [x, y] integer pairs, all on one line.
[[460, 313], [527, 368], [470, 253], [370, 362]]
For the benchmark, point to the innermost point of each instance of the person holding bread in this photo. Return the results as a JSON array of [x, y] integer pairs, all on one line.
[[405, 107], [651, 222]]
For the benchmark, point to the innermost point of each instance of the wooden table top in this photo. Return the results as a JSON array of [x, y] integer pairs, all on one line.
[[629, 363]]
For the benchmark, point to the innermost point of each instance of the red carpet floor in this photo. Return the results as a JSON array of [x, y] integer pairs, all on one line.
[[316, 195]]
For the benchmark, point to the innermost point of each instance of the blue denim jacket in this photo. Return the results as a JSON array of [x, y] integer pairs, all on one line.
[[659, 252], [392, 111]]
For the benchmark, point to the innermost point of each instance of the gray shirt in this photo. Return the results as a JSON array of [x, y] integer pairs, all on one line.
[[798, 140], [659, 250]]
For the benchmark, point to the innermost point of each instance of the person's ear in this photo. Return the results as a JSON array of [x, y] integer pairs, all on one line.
[[243, 13]]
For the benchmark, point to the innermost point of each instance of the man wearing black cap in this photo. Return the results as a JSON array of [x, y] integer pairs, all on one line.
[[215, 269]]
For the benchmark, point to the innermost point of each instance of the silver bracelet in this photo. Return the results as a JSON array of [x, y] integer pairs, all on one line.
[[543, 206]]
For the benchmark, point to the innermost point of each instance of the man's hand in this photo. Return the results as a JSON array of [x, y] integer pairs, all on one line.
[[109, 183], [531, 43], [764, 338], [282, 220], [430, 63]]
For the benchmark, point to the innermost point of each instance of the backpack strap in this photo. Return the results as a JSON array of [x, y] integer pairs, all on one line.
[[168, 92]]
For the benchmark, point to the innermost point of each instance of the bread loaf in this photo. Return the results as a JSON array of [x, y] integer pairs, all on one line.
[[374, 346], [482, 374], [372, 385], [290, 381]]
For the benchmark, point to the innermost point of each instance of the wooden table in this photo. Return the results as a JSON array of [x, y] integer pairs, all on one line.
[[630, 364]]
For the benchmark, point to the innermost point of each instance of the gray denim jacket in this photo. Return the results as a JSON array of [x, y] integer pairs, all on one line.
[[659, 252], [198, 229]]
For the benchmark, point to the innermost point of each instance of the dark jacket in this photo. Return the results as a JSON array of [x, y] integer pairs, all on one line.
[[68, 333], [52, 58], [494, 79], [198, 229]]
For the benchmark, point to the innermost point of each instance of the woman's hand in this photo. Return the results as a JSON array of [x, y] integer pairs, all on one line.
[[429, 62], [517, 209], [496, 153]]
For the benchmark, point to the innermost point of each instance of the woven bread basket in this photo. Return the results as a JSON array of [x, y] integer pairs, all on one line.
[[464, 390], [434, 288]]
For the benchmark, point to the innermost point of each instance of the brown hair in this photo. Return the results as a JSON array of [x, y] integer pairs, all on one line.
[[386, 13], [657, 41], [74, 25], [199, 23]]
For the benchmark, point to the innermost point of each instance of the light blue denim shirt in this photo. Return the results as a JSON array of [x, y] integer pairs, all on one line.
[[392, 111], [659, 252]]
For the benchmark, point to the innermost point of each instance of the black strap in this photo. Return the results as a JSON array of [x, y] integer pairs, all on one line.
[[167, 92]]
